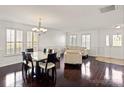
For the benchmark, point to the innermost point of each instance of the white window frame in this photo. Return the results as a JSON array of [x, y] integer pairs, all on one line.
[[34, 44], [113, 42], [29, 44], [86, 41], [15, 47], [21, 42], [71, 40], [107, 40]]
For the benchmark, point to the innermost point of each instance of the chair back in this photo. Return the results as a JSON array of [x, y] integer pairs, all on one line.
[[29, 59], [30, 50], [23, 56], [44, 50], [51, 58], [50, 51]]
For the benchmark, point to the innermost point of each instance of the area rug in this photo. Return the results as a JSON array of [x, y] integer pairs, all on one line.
[[111, 60]]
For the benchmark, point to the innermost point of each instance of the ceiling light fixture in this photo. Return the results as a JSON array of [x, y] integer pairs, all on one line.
[[40, 28], [118, 27]]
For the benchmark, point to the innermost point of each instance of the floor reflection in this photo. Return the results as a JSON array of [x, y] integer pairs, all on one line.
[[72, 72], [117, 76], [44, 80], [85, 69], [107, 74], [114, 75], [90, 73], [12, 78]]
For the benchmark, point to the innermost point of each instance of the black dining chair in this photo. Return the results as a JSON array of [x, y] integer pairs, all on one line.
[[24, 66], [50, 51], [23, 56], [31, 64], [50, 64], [44, 50], [30, 50], [28, 64]]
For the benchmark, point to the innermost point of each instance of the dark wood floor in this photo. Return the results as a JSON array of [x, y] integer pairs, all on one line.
[[90, 74]]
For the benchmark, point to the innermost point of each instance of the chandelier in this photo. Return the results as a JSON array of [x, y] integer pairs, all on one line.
[[39, 28]]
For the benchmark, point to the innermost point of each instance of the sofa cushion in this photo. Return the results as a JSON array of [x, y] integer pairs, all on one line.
[[77, 49], [73, 51]]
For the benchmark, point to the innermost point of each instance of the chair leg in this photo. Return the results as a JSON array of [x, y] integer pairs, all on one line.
[[42, 71], [32, 73], [54, 75], [47, 72], [24, 72], [53, 72]]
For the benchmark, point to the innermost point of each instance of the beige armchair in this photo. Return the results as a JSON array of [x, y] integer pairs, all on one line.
[[73, 57]]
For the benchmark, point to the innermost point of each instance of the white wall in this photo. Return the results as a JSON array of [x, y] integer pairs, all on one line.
[[52, 39]]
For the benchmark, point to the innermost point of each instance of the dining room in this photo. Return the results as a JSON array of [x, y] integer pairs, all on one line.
[[40, 48]]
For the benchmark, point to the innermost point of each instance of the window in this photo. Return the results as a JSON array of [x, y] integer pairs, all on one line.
[[10, 41], [117, 40], [29, 40], [86, 41], [32, 40], [19, 41], [73, 40], [13, 41], [107, 40], [35, 41]]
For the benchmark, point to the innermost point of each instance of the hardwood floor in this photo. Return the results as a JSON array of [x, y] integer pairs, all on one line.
[[90, 74]]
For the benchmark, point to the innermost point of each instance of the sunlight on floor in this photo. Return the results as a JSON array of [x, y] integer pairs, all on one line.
[[85, 69], [107, 74], [12, 78], [117, 76]]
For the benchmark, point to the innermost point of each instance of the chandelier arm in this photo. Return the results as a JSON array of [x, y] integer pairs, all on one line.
[[39, 28]]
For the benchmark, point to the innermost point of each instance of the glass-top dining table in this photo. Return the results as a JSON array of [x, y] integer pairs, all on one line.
[[38, 57]]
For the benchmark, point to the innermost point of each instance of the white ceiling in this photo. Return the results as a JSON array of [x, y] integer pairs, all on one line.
[[71, 17]]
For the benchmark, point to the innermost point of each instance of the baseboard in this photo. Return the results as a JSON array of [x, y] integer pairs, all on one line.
[[4, 65], [110, 57]]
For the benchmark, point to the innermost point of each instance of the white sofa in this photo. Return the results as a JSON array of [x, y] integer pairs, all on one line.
[[73, 55], [82, 49]]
